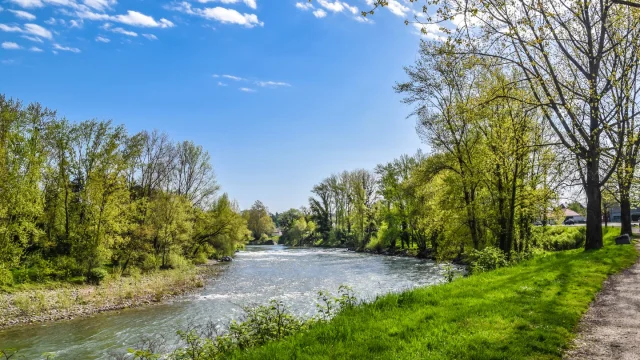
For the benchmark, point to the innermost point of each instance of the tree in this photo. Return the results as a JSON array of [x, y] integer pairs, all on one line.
[[569, 55], [258, 220]]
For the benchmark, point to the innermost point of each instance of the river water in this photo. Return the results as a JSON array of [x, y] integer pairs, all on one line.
[[257, 275]]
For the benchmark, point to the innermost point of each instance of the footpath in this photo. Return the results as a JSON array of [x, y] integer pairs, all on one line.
[[611, 327]]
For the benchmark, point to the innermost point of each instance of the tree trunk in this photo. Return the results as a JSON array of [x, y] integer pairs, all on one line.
[[594, 203], [625, 212]]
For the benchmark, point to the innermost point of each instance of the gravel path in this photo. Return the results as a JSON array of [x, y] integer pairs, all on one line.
[[611, 327]]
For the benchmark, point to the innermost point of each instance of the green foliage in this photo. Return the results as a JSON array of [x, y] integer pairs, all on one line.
[[97, 275], [81, 196], [557, 238], [489, 258], [526, 311]]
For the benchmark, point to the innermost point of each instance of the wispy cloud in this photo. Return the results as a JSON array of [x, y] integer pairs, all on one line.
[[220, 83], [304, 6], [65, 48], [131, 18], [35, 49], [102, 39], [7, 45], [32, 38], [23, 15], [250, 3], [232, 77], [122, 31], [249, 90], [272, 84], [319, 13], [31, 29], [150, 36]]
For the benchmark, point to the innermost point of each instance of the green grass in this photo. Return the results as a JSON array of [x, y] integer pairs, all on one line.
[[528, 311]]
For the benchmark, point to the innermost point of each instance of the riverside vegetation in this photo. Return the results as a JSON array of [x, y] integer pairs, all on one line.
[[94, 218], [505, 309]]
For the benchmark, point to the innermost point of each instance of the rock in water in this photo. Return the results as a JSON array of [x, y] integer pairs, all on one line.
[[225, 259], [623, 239]]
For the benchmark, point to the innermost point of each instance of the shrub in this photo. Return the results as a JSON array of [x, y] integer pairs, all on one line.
[[558, 238], [489, 258], [96, 275], [6, 277], [178, 262], [200, 258]]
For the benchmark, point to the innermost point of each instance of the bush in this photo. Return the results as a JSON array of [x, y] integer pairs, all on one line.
[[559, 238], [489, 258], [96, 275], [200, 258], [178, 262], [6, 277]]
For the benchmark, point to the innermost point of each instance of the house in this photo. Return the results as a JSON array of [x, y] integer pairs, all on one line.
[[572, 215], [614, 214]]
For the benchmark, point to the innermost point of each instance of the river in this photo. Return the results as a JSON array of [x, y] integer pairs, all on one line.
[[256, 275]]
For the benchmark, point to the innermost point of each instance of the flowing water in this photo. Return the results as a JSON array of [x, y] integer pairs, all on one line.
[[255, 276]]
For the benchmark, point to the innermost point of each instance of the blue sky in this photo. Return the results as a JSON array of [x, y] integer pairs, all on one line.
[[281, 93]]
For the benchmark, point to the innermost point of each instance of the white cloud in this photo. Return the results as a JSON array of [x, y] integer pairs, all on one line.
[[215, 75], [429, 31], [232, 77], [32, 38], [102, 39], [220, 14], [35, 49], [150, 36], [23, 14], [1, 8], [331, 6], [51, 21], [37, 30], [31, 29], [394, 6], [247, 89], [319, 13], [10, 28], [122, 31], [10, 46], [272, 84], [220, 83], [363, 19], [28, 3], [100, 4], [76, 23], [250, 3], [132, 18], [304, 6], [65, 48]]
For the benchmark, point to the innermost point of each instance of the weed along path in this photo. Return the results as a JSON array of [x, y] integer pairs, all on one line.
[[611, 327]]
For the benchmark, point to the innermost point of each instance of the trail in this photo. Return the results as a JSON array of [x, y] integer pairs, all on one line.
[[611, 327]]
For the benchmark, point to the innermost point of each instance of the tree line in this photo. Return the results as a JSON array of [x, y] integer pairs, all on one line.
[[78, 197], [519, 103]]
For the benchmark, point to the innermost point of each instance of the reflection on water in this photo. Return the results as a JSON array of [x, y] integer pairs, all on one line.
[[257, 275]]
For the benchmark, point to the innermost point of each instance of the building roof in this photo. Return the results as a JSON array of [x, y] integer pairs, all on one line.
[[569, 212]]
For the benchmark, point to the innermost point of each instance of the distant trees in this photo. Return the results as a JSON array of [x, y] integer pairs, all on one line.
[[78, 196], [259, 222]]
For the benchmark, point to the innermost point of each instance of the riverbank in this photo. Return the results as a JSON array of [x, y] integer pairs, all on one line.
[[45, 303], [530, 310]]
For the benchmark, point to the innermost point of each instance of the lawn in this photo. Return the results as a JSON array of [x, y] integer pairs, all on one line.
[[528, 311]]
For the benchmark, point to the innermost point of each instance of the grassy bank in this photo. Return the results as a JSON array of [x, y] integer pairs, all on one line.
[[528, 311], [34, 303]]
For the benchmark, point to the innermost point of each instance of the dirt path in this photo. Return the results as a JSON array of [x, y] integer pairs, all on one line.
[[611, 327]]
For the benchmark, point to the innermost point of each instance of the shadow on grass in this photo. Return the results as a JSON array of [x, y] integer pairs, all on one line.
[[528, 311]]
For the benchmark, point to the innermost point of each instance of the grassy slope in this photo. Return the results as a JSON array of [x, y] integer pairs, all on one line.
[[528, 311]]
